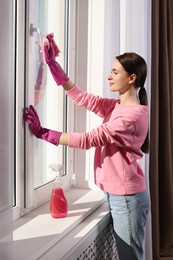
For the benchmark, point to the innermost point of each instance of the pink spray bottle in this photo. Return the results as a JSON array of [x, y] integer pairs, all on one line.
[[58, 202]]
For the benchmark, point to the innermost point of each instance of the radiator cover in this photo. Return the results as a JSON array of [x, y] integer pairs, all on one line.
[[102, 248]]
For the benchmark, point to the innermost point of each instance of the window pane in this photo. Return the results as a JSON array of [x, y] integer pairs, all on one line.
[[47, 97]]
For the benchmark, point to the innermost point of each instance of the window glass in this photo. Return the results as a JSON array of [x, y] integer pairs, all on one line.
[[48, 98]]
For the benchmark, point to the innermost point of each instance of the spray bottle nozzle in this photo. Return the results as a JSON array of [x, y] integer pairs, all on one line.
[[57, 168]]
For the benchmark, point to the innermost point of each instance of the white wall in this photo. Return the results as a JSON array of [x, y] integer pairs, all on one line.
[[6, 128]]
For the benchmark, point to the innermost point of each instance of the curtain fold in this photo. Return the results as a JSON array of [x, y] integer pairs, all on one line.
[[161, 129]]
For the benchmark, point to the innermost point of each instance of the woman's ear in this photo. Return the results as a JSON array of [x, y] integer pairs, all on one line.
[[132, 78]]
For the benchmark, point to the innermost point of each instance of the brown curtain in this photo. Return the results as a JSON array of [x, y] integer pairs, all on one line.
[[161, 131]]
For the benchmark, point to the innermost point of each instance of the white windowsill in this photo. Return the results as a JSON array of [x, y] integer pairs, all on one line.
[[35, 233]]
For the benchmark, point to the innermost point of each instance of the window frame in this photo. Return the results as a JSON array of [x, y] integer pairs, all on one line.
[[19, 131], [28, 198], [35, 197]]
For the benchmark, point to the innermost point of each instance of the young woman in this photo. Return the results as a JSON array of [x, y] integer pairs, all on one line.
[[120, 141]]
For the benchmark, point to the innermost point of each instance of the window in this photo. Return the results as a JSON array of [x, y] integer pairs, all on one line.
[[48, 99], [41, 90], [35, 85]]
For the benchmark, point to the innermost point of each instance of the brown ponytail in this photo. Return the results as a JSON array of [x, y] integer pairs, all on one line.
[[144, 101], [143, 96], [135, 64], [145, 148]]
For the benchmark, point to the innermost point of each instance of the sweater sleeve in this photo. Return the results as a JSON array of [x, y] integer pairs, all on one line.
[[120, 132], [96, 104]]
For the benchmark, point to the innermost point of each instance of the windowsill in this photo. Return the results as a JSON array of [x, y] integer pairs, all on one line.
[[35, 233]]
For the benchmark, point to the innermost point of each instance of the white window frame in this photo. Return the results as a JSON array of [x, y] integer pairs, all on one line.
[[35, 197], [40, 195], [20, 73]]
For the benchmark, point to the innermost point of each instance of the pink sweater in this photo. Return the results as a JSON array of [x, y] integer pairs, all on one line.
[[117, 142]]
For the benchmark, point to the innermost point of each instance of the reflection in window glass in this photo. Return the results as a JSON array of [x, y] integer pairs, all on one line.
[[48, 98]]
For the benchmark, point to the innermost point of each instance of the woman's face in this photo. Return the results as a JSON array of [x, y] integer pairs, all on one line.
[[119, 79]]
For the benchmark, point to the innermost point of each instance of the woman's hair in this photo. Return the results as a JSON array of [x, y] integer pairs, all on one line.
[[135, 64]]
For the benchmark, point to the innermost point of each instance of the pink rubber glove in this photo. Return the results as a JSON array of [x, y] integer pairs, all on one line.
[[32, 118], [51, 51]]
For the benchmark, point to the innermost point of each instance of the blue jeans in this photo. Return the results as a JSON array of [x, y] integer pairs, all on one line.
[[129, 213]]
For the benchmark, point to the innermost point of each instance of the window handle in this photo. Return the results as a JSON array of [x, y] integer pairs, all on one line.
[[33, 29]]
